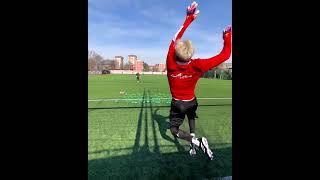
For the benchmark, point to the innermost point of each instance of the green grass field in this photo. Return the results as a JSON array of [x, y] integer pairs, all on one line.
[[130, 139]]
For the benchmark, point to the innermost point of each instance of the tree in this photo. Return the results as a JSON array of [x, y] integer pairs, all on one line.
[[145, 67], [108, 64], [126, 66], [94, 61], [219, 72], [92, 64], [228, 74]]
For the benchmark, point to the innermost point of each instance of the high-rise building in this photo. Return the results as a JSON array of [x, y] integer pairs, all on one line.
[[139, 66], [132, 59], [162, 67], [118, 62]]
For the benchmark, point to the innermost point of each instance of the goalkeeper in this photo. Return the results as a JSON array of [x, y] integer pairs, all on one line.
[[183, 74]]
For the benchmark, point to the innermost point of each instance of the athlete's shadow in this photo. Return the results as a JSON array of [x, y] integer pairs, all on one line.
[[164, 125], [140, 162], [174, 165]]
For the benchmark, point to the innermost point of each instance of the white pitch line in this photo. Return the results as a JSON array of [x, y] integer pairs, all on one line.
[[213, 98], [142, 99], [114, 99], [223, 178]]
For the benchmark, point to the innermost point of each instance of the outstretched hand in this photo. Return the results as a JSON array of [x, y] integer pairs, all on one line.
[[191, 10], [227, 33]]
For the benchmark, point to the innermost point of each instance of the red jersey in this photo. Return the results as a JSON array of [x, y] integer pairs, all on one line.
[[183, 78]]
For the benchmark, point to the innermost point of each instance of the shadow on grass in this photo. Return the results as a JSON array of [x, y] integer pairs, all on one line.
[[148, 165], [147, 162], [163, 125], [135, 107]]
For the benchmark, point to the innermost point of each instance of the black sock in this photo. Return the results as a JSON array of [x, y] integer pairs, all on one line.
[[192, 125]]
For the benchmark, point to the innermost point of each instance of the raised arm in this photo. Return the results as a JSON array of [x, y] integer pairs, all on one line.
[[206, 64], [191, 15]]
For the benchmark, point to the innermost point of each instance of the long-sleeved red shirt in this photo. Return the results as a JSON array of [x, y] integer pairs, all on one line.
[[183, 78]]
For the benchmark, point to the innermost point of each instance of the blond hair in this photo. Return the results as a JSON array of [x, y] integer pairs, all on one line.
[[184, 50]]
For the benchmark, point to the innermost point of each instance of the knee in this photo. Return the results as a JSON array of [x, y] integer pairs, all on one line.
[[174, 131]]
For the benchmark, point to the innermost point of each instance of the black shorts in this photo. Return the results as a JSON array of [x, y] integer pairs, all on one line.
[[181, 108]]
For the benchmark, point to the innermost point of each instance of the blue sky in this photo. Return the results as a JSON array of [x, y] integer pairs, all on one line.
[[146, 27]]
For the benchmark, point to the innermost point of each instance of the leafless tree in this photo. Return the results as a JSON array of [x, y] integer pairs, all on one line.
[[94, 61], [145, 67]]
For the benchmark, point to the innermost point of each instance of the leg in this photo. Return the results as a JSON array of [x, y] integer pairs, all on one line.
[[192, 126], [201, 142], [177, 115], [191, 117], [180, 133], [191, 113]]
